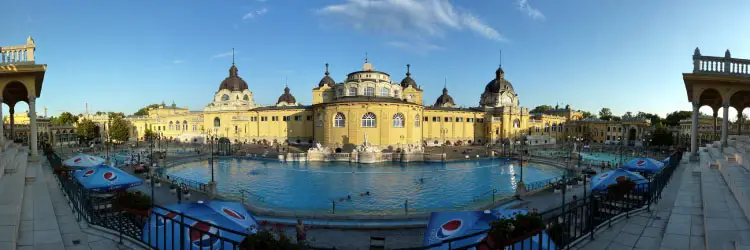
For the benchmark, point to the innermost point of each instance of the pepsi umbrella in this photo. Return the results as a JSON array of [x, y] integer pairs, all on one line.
[[84, 161], [209, 231], [643, 164], [104, 178], [601, 181], [665, 161], [444, 226]]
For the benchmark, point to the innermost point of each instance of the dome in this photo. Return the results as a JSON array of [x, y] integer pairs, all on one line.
[[445, 100], [408, 81], [287, 97], [326, 80], [499, 83], [233, 82]]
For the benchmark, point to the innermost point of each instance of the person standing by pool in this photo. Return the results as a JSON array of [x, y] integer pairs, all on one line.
[[301, 231]]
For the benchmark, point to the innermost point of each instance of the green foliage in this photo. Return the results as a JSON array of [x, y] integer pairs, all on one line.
[[623, 186], [507, 231], [605, 114], [587, 115], [120, 129], [662, 137], [673, 119], [144, 110], [628, 115], [541, 109], [149, 134], [269, 237], [87, 130], [113, 115], [66, 118], [134, 200]]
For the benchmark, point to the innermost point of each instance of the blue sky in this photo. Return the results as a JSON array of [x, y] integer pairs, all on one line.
[[122, 55]]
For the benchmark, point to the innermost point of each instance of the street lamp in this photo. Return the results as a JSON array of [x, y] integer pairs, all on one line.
[[211, 138], [619, 141]]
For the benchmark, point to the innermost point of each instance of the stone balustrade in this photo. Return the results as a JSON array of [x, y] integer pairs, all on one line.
[[20, 54], [720, 65]]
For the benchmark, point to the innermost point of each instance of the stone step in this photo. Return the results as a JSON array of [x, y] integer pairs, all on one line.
[[8, 166], [39, 212], [31, 172], [11, 201]]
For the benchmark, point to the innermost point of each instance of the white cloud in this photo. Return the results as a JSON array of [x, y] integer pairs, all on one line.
[[418, 47], [412, 18], [225, 54], [178, 61], [524, 6], [255, 13]]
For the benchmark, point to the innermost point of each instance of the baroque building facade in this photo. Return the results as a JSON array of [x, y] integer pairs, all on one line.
[[370, 106]]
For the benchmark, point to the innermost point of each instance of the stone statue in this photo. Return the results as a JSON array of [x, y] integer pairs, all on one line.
[[319, 149]]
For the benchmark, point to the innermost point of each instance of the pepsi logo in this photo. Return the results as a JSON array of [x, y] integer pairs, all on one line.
[[77, 160], [641, 163], [233, 213], [88, 173], [203, 234], [603, 176], [163, 220], [110, 176], [449, 228]]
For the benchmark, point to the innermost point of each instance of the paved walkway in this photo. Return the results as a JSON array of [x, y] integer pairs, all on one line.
[[646, 230]]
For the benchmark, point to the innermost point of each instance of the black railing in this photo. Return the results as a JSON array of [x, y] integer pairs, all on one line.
[[575, 220], [542, 184], [147, 227], [197, 185]]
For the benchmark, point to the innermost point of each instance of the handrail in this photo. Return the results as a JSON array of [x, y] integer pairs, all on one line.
[[244, 192], [200, 186]]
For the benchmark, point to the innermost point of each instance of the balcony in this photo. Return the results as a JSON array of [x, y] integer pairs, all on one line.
[[720, 65], [18, 54]]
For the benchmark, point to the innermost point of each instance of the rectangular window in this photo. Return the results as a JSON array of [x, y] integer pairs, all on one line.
[[298, 118], [370, 91], [309, 118], [275, 118], [286, 118], [470, 120], [435, 119], [426, 118], [264, 118]]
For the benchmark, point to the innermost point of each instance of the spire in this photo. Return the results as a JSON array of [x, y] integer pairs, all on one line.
[[327, 69], [408, 69], [445, 83], [501, 58], [232, 56], [365, 56], [286, 82]]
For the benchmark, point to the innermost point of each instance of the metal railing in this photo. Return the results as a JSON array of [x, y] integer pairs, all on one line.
[[542, 184], [166, 229], [248, 194], [197, 185], [572, 222]]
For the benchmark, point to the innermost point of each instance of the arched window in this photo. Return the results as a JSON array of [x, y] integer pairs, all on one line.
[[319, 123], [341, 92], [352, 91], [370, 91], [398, 120], [516, 123], [246, 98], [184, 125], [170, 125], [384, 92], [368, 120], [537, 129], [339, 121], [225, 97], [416, 121], [177, 125], [546, 127], [217, 122], [395, 93], [554, 127]]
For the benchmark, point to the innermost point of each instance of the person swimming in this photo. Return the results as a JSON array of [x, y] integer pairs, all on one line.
[[421, 180]]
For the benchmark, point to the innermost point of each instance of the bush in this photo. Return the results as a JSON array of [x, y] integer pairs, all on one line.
[[133, 200], [507, 231], [269, 238], [619, 190]]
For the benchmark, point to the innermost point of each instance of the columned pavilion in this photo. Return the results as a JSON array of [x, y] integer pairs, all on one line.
[[20, 81], [717, 82]]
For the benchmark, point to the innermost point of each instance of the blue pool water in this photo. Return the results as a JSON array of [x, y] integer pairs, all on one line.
[[310, 187]]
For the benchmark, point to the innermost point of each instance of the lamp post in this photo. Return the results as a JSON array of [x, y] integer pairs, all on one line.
[[619, 141], [211, 138], [107, 142]]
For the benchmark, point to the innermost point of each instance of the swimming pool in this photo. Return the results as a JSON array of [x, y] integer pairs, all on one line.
[[310, 187], [590, 157]]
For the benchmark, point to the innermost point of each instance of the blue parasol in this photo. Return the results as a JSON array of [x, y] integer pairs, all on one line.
[[163, 229], [84, 161], [104, 178], [643, 164], [444, 226], [601, 181], [665, 161]]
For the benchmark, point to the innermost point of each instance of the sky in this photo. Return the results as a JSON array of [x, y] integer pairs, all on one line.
[[123, 55]]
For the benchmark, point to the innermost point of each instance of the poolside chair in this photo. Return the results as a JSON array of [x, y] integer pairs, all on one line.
[[377, 242]]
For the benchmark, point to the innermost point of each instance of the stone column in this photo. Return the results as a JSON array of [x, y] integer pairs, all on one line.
[[34, 129], [716, 115], [2, 126], [12, 110], [694, 134], [725, 125]]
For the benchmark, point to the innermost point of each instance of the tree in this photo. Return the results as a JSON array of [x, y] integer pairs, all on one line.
[[66, 118], [149, 134], [586, 115], [113, 115], [144, 110], [541, 109], [120, 129], [662, 137], [87, 130], [605, 114], [674, 118], [628, 115]]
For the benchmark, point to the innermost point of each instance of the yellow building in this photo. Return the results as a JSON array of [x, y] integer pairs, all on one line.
[[367, 106]]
